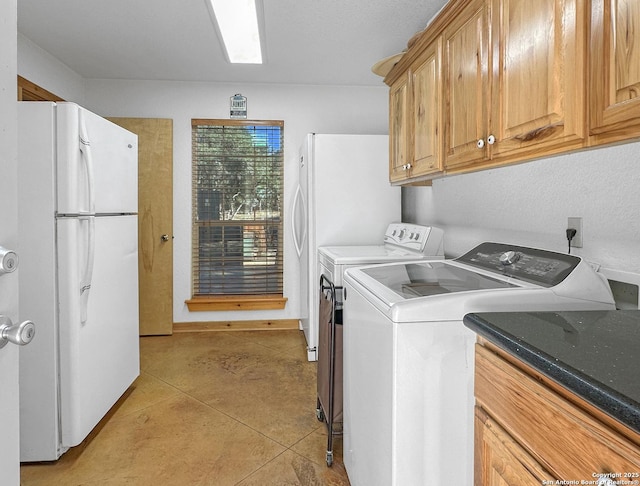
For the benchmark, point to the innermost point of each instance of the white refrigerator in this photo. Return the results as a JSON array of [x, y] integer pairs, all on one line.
[[78, 250], [343, 198]]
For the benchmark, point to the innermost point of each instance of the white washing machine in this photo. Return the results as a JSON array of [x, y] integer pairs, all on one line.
[[408, 358]]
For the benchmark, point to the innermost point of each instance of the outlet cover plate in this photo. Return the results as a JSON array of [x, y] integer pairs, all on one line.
[[576, 224]]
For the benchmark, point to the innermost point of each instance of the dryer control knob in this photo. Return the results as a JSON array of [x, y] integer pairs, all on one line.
[[509, 258]]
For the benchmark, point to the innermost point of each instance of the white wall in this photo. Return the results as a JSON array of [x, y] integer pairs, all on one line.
[[41, 68], [528, 204], [303, 108]]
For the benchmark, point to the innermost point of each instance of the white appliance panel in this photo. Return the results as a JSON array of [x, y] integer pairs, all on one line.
[[97, 166], [367, 428], [344, 184], [99, 358]]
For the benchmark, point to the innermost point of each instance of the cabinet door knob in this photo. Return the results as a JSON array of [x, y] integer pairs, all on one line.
[[491, 139], [480, 143]]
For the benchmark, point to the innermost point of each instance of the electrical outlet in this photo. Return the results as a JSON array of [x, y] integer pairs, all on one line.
[[576, 224]]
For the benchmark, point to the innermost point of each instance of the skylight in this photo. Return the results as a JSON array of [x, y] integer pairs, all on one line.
[[238, 26]]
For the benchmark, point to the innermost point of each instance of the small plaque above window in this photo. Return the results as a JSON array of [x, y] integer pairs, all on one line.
[[238, 106]]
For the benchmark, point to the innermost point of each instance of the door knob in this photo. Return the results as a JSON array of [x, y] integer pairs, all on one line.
[[19, 334], [164, 238], [8, 260]]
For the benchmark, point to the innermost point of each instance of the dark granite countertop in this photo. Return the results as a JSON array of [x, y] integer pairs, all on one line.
[[594, 354]]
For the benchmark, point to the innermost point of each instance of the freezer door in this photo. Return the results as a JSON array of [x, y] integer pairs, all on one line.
[[99, 358], [97, 164]]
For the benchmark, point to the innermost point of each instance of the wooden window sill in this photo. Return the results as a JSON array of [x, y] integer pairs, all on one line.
[[236, 302]]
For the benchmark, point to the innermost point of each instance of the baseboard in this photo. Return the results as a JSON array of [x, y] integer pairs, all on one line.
[[269, 325]]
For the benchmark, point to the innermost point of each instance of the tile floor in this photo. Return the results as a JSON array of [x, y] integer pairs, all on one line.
[[209, 409]]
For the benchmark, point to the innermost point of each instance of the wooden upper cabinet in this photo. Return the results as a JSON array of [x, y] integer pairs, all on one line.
[[491, 82], [614, 102], [538, 76], [530, 75], [416, 119], [466, 86], [399, 155], [426, 84]]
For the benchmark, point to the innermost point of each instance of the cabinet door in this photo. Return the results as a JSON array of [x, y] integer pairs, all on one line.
[[500, 461], [427, 112], [466, 66], [615, 70], [537, 78], [399, 155]]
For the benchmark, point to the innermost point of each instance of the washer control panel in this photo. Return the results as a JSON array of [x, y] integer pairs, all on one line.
[[543, 267]]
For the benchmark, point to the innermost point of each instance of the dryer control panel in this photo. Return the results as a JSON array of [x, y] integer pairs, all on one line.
[[542, 267], [414, 237]]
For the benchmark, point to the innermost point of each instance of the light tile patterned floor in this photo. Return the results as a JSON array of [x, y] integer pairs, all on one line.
[[209, 409]]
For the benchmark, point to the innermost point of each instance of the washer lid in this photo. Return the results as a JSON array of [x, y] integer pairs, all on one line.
[[423, 279]]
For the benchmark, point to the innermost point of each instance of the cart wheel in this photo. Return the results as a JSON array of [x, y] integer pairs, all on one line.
[[329, 459], [319, 415]]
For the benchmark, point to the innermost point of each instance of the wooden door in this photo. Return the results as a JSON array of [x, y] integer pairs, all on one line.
[[466, 65], [615, 70], [427, 111], [537, 75], [399, 155], [155, 221]]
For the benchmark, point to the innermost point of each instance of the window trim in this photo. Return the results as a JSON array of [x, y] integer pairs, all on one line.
[[237, 302]]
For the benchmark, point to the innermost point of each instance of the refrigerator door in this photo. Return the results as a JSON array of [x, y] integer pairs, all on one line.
[[99, 358], [305, 219], [97, 164]]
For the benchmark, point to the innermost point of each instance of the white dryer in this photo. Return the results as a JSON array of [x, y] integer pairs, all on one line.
[[408, 358], [402, 242]]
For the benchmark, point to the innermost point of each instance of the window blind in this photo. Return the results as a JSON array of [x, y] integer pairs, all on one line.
[[237, 182]]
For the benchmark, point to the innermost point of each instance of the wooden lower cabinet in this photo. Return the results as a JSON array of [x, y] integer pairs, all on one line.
[[531, 431], [502, 461]]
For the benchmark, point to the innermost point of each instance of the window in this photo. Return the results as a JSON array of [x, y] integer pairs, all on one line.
[[237, 181]]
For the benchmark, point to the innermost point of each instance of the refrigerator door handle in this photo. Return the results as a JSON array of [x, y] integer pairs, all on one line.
[[299, 244], [85, 149], [87, 274]]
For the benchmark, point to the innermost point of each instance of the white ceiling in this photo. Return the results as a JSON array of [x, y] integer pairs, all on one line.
[[307, 41]]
